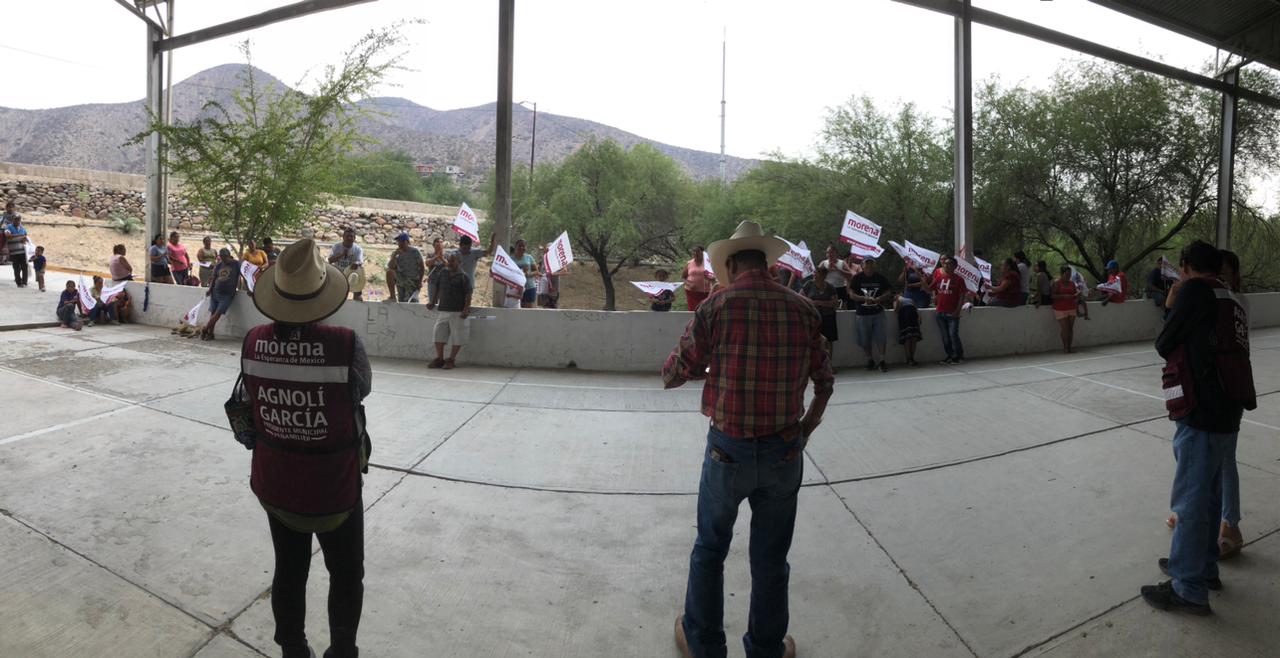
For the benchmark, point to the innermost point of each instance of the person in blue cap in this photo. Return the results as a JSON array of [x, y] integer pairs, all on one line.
[[405, 271], [1114, 275]]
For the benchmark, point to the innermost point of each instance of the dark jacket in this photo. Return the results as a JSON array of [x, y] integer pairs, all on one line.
[[1192, 324]]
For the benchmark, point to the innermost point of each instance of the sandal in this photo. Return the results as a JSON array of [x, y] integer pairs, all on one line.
[[449, 364], [436, 363], [1172, 521], [1228, 547]]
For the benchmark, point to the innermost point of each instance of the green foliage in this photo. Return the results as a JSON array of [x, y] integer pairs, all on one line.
[[393, 175], [126, 224], [263, 165], [616, 204]]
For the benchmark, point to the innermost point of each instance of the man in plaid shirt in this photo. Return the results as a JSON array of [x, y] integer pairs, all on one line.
[[755, 343]]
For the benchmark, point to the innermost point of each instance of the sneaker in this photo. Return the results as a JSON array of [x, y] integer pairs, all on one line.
[[449, 364], [1214, 584], [1162, 597], [947, 361], [958, 360], [913, 363], [90, 323], [871, 365], [883, 367], [436, 363]]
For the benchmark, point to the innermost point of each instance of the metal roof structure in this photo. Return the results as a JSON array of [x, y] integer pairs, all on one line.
[[1248, 28]]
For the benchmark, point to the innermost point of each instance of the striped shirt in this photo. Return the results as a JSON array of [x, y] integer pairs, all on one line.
[[756, 344]]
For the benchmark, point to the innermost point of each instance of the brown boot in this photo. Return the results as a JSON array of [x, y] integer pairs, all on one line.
[[682, 643]]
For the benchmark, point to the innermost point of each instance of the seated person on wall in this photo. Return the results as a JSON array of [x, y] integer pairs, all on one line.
[[68, 304], [348, 257], [124, 306], [663, 300]]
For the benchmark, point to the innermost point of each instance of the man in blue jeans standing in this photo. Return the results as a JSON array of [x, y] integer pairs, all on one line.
[[756, 344], [948, 295], [1208, 383]]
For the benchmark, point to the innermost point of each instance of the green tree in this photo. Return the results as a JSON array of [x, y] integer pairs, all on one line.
[[383, 175], [263, 165], [1107, 163], [616, 204], [442, 189]]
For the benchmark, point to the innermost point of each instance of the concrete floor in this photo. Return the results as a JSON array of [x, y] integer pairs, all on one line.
[[1006, 507]]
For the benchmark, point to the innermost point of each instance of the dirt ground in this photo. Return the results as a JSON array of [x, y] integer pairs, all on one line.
[[84, 245]]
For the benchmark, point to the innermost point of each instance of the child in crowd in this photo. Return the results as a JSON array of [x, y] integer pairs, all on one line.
[[662, 301], [68, 303], [37, 264], [908, 325]]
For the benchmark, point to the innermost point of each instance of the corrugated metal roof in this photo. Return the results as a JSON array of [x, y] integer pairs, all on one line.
[[1250, 28]]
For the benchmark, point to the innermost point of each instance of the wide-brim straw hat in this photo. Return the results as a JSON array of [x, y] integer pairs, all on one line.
[[747, 237], [300, 288]]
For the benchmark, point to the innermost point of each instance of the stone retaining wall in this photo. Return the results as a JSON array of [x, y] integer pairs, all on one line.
[[100, 195]]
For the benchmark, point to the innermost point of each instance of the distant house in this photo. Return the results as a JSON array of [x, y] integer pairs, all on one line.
[[428, 170]]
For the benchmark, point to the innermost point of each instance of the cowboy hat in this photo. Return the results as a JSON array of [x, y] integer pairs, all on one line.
[[747, 237], [300, 288]]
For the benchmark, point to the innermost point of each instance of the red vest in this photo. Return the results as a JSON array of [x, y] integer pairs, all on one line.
[[307, 459], [1231, 365]]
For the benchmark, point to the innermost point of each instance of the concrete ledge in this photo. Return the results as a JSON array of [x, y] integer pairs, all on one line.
[[641, 340]]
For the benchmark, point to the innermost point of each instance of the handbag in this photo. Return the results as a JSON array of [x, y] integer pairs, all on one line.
[[240, 416]]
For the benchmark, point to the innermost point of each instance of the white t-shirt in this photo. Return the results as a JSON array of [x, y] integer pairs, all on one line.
[[353, 256], [837, 277], [1024, 273]]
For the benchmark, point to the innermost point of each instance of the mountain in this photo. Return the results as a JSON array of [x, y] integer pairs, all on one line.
[[92, 136]]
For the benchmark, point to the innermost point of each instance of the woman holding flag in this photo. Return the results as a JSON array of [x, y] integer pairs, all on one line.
[[697, 279]]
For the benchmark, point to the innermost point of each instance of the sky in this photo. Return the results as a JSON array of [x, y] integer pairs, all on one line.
[[652, 68]]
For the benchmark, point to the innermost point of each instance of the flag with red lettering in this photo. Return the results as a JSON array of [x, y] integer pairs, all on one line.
[[927, 259], [985, 268], [1113, 286], [970, 273], [505, 271], [655, 288], [193, 316], [1168, 270], [859, 229], [87, 302], [466, 223], [109, 294], [559, 255], [797, 259], [250, 273]]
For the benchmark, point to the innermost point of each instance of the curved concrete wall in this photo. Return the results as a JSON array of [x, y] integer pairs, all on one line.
[[640, 340]]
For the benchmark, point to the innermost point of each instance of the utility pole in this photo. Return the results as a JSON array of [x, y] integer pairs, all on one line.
[[724, 168], [533, 144], [502, 183]]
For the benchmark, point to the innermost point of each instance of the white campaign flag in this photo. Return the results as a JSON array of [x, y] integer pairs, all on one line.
[[559, 254], [86, 295], [31, 249], [1111, 286], [901, 251], [858, 229], [655, 288], [193, 316], [864, 249], [505, 270], [466, 223], [706, 264], [927, 259], [250, 272], [797, 259], [985, 268], [110, 293], [1168, 271], [970, 273]]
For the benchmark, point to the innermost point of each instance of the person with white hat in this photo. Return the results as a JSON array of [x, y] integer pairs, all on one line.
[[756, 344], [306, 381]]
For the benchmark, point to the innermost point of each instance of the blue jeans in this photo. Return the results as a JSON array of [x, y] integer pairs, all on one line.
[[102, 311], [949, 328], [760, 472], [1197, 500], [1230, 483]]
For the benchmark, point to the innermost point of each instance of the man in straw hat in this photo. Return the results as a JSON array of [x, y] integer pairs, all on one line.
[[755, 343], [306, 381]]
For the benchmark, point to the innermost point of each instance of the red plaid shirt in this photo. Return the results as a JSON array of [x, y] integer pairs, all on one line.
[[762, 342]]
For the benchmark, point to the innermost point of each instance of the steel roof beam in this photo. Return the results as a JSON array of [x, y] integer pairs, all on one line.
[[1016, 26], [251, 22], [136, 12]]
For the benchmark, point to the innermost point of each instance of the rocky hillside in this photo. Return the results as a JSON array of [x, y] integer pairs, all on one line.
[[92, 136]]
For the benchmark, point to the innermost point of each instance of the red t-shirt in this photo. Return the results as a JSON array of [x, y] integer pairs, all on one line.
[[1065, 303], [1119, 297], [1012, 293], [950, 290]]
